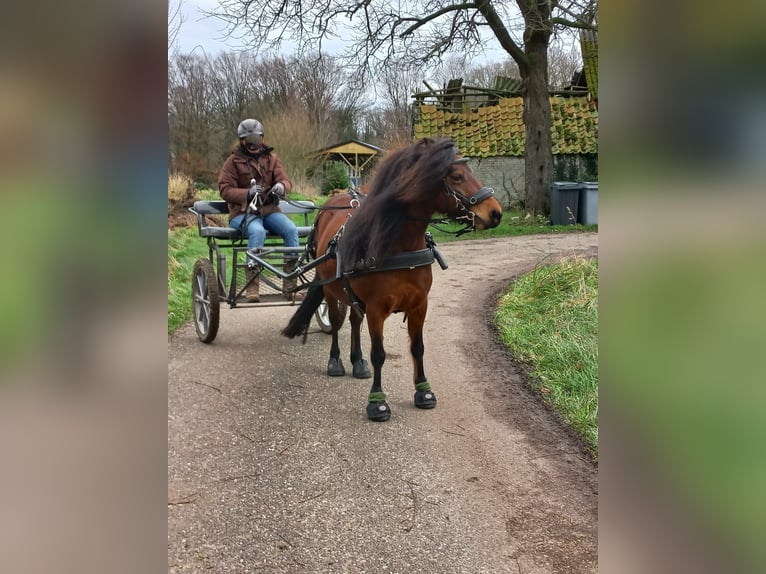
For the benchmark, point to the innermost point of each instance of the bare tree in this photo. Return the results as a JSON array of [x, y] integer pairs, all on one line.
[[484, 76], [450, 67], [190, 116], [175, 21], [563, 62], [322, 87], [380, 32], [274, 84], [233, 95], [302, 105], [395, 87]]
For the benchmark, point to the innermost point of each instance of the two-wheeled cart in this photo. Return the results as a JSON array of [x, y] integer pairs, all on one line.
[[213, 281]]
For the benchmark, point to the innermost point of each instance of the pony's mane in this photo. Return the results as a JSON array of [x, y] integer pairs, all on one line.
[[406, 176]]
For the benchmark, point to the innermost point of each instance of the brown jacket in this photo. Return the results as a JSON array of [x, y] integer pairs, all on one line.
[[237, 171]]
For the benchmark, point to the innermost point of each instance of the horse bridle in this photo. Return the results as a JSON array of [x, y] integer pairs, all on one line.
[[464, 202]]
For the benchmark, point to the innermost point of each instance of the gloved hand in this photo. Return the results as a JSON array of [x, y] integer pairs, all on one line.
[[278, 189], [254, 190]]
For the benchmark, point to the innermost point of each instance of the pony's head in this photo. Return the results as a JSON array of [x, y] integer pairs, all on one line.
[[467, 200], [410, 185], [435, 168]]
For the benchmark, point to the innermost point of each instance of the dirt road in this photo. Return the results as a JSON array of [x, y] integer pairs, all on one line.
[[274, 467]]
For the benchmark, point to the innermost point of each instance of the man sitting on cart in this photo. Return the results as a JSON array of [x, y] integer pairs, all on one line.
[[253, 176]]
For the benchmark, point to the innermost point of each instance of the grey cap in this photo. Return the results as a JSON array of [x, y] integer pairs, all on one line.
[[249, 127]]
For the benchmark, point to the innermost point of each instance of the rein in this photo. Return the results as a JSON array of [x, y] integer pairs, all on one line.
[[356, 200]]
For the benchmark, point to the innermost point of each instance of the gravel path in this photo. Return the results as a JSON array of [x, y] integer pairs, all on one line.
[[273, 466]]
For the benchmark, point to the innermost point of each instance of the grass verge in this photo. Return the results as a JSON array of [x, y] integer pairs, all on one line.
[[549, 320], [185, 246]]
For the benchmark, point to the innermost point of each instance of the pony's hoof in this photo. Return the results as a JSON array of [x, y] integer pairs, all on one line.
[[361, 370], [335, 368], [425, 399], [378, 411]]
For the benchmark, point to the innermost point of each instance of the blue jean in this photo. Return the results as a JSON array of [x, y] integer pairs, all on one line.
[[277, 223]]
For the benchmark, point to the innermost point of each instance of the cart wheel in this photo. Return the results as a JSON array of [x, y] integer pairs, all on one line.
[[205, 300], [323, 319]]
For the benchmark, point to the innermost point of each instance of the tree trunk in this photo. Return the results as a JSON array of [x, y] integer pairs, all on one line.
[[538, 164]]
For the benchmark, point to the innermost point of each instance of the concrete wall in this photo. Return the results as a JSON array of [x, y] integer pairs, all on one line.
[[506, 174], [503, 174]]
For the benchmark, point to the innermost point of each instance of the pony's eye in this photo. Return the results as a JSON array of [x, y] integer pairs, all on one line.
[[457, 178]]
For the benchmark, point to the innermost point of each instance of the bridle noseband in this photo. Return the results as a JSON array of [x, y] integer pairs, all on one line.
[[465, 202]]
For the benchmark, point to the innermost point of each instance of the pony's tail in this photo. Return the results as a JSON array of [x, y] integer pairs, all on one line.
[[302, 317]]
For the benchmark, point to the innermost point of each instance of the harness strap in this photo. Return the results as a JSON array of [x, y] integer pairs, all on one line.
[[437, 255], [481, 195], [405, 260], [356, 303], [397, 261]]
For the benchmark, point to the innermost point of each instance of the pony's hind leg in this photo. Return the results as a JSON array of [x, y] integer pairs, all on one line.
[[361, 369], [335, 365], [377, 407], [424, 396]]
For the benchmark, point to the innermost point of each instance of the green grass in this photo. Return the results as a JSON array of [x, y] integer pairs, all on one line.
[[185, 246], [549, 320]]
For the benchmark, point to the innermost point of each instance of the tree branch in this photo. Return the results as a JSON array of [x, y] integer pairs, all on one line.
[[426, 19], [501, 33], [572, 24], [583, 17]]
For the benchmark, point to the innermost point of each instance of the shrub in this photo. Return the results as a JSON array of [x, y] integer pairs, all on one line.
[[180, 189], [335, 177]]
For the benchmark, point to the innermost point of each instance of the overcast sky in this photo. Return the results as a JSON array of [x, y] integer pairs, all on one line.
[[207, 35], [201, 33], [198, 32]]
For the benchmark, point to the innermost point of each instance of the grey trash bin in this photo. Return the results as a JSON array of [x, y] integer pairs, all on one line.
[[589, 203], [565, 198]]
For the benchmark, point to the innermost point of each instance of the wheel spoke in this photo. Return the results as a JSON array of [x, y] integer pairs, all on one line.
[[202, 302]]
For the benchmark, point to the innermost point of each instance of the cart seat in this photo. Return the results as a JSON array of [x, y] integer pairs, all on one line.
[[219, 207]]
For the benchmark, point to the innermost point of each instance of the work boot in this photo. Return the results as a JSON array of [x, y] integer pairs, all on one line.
[[252, 293], [289, 284]]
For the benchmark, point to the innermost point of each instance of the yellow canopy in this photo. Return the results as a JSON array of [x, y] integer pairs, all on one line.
[[353, 153]]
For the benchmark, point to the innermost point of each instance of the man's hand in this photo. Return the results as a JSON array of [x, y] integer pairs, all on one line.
[[278, 189], [254, 190]]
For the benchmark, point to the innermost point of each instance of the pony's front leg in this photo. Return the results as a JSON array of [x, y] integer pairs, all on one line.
[[360, 368], [335, 365], [377, 407], [424, 396]]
